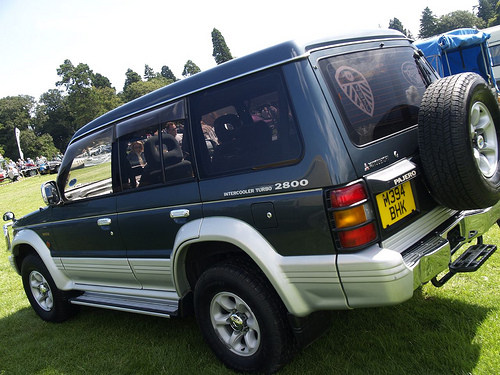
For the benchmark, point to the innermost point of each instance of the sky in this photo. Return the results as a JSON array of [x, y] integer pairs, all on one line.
[[111, 36]]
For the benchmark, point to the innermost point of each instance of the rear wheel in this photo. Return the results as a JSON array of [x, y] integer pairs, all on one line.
[[459, 124], [242, 318], [50, 303]]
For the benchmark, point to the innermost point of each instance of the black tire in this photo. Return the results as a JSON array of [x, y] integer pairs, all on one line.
[[242, 318], [50, 303], [458, 135]]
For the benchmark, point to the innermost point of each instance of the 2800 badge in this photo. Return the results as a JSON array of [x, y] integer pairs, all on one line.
[[290, 184]]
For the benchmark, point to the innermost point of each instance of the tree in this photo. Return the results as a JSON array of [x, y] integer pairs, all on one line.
[[15, 112], [459, 19], [33, 145], [495, 20], [53, 117], [74, 78], [89, 95], [100, 81], [396, 24], [167, 73], [131, 77], [486, 10], [221, 51], [149, 73], [140, 88], [428, 24], [190, 68]]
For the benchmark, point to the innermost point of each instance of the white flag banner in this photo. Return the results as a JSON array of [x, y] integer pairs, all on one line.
[[18, 133]]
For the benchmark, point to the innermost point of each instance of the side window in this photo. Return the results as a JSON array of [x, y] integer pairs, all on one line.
[[151, 148], [495, 55], [246, 124], [89, 174]]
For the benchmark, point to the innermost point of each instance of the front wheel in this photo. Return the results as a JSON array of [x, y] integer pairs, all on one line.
[[50, 303], [242, 318]]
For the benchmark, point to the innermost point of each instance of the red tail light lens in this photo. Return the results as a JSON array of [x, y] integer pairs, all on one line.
[[351, 216], [348, 195], [358, 237]]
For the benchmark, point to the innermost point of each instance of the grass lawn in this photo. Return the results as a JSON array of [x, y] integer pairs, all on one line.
[[451, 330]]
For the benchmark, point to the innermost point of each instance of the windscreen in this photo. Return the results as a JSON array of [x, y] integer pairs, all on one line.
[[378, 92]]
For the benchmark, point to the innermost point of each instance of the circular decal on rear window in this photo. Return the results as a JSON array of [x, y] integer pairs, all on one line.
[[411, 74], [356, 87]]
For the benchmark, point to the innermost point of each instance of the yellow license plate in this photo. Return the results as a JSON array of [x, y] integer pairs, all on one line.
[[395, 204]]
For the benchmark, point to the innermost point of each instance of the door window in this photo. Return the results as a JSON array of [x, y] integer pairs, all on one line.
[[89, 174], [153, 148]]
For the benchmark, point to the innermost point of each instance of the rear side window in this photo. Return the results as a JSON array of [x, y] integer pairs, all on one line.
[[244, 125], [378, 92]]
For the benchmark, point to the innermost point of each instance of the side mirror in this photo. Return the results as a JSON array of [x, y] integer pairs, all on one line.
[[50, 194], [8, 216]]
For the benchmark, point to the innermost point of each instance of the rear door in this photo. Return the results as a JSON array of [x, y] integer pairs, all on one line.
[[374, 90]]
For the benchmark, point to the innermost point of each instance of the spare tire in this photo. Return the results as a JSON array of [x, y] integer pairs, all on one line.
[[458, 137]]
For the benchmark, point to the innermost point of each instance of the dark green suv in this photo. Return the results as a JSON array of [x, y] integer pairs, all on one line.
[[310, 177]]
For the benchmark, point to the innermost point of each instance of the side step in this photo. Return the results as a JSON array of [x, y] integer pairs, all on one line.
[[470, 261], [142, 305]]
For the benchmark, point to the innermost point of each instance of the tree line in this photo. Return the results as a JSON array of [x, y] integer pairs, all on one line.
[[485, 14], [81, 95], [47, 125]]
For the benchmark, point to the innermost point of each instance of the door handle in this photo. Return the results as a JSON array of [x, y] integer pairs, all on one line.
[[104, 222], [179, 214]]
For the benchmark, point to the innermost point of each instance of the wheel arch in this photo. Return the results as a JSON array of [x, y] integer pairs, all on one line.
[[28, 242], [220, 238]]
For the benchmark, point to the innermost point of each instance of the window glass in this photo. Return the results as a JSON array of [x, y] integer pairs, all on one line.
[[246, 125], [90, 171], [378, 92], [495, 54], [151, 149]]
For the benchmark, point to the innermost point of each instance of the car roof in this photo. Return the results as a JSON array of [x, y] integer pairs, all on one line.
[[271, 56]]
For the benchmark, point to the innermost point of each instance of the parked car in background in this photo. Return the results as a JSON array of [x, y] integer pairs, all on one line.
[[29, 170], [494, 48], [51, 166]]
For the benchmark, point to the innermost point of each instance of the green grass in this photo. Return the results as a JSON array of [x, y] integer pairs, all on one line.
[[451, 330]]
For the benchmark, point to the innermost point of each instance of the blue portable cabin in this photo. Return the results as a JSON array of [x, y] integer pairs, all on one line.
[[458, 51]]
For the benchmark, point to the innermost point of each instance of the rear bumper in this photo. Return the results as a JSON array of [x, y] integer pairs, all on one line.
[[389, 274]]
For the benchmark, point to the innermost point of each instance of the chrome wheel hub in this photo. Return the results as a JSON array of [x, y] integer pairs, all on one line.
[[238, 321], [235, 323], [40, 290], [484, 139]]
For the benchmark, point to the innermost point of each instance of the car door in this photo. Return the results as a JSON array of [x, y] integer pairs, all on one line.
[[85, 226], [159, 192]]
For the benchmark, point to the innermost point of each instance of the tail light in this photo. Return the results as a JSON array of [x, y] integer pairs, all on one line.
[[351, 216]]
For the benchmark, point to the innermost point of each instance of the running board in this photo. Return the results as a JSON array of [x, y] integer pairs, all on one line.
[[470, 261], [141, 305]]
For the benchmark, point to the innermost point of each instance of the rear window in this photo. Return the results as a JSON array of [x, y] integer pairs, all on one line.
[[378, 92]]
